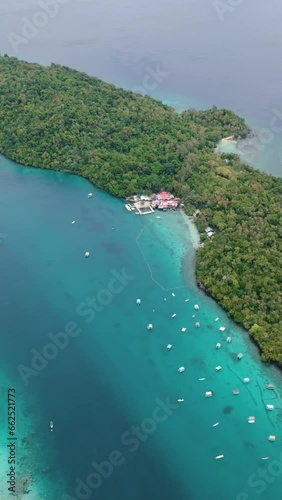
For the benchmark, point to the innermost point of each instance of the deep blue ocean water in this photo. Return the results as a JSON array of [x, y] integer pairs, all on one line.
[[112, 387]]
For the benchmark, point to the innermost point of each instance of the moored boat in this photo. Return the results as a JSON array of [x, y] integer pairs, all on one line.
[[216, 424], [168, 347], [219, 456], [251, 420], [236, 391], [270, 386], [51, 424], [218, 345], [181, 369], [150, 326], [240, 355], [270, 407], [208, 394]]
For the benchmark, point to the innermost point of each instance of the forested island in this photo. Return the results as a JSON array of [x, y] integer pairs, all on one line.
[[61, 119]]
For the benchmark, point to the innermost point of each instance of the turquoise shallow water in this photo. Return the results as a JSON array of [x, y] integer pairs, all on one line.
[[112, 390]]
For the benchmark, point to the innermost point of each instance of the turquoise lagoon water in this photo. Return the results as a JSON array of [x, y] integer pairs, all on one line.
[[114, 386]]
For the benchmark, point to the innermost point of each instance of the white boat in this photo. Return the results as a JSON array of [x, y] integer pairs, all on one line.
[[218, 345], [128, 208], [173, 294], [251, 420], [265, 458], [208, 394], [228, 339], [138, 301], [219, 456], [196, 307], [203, 378], [197, 324], [222, 328], [180, 400], [158, 217], [73, 222], [246, 380], [187, 300], [217, 368], [216, 424], [270, 387], [168, 347], [270, 407], [181, 369], [183, 329], [150, 326], [216, 319], [51, 425], [240, 355], [193, 315], [271, 438], [87, 254], [173, 315], [90, 195]]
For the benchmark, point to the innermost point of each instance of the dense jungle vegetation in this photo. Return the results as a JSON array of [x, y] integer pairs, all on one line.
[[60, 119]]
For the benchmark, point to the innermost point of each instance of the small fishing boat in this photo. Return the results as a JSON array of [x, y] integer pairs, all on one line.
[[240, 355], [183, 329], [193, 315], [150, 326], [219, 456], [236, 391], [90, 195], [222, 328], [251, 420], [138, 301], [203, 378], [270, 407], [180, 400], [168, 347], [208, 394], [246, 380], [158, 217], [87, 254], [218, 368], [181, 369], [197, 324], [265, 458], [218, 345], [73, 222], [216, 319], [196, 307], [173, 315], [173, 294], [270, 386], [271, 438], [51, 425], [187, 300], [228, 339], [216, 424]]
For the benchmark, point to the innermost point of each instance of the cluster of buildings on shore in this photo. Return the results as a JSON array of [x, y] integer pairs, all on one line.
[[142, 204]]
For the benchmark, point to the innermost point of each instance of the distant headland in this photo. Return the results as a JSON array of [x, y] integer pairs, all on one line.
[[58, 118]]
